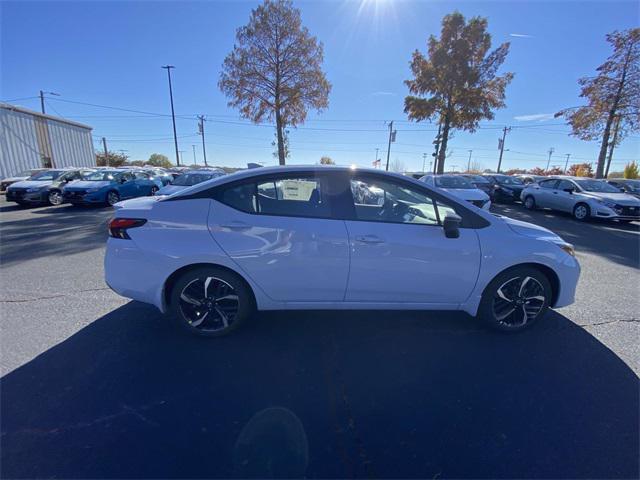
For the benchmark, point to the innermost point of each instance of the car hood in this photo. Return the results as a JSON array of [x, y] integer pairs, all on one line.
[[530, 230], [619, 198], [86, 184], [31, 184], [169, 189], [467, 193], [13, 179]]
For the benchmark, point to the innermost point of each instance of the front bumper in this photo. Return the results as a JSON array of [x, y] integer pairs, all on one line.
[[92, 198], [22, 196], [615, 213]]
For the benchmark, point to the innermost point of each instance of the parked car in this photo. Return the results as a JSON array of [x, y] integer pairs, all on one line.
[[18, 177], [627, 185], [109, 187], [188, 179], [38, 188], [584, 198], [160, 175], [54, 194], [506, 189], [481, 183], [460, 187], [295, 237]]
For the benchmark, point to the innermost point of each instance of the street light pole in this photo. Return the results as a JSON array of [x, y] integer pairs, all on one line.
[[551, 150], [201, 128], [42, 99], [566, 164], [424, 161], [194, 153], [173, 115], [469, 162]]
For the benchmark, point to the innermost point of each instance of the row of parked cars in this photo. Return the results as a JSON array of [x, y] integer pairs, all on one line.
[[584, 198], [98, 186]]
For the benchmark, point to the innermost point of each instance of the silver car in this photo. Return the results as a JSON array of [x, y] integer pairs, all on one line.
[[584, 198]]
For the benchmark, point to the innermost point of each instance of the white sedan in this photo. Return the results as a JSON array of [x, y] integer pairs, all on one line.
[[298, 238], [460, 187]]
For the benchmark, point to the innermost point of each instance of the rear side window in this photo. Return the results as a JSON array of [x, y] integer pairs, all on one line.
[[290, 197], [547, 183]]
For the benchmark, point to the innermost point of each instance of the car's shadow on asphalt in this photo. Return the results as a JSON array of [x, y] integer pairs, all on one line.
[[63, 230], [614, 241], [322, 394]]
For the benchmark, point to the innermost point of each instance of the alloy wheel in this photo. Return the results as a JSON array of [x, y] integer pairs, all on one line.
[[580, 212], [529, 202], [209, 304], [55, 198], [112, 198], [518, 301]]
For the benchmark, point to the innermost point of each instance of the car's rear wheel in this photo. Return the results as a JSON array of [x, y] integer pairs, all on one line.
[[55, 197], [113, 197], [581, 212], [530, 202], [210, 301], [515, 299]]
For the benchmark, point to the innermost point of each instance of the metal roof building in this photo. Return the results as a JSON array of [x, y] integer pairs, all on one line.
[[31, 139]]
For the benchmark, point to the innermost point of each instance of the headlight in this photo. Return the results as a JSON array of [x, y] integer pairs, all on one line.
[[607, 203], [567, 247], [92, 190]]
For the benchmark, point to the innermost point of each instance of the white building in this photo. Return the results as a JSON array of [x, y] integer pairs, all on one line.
[[30, 139]]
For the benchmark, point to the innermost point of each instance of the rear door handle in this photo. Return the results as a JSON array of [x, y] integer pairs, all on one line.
[[370, 239], [236, 226]]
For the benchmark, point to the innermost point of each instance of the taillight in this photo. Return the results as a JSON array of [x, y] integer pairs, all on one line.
[[118, 226]]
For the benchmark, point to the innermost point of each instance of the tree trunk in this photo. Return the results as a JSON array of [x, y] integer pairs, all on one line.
[[442, 154], [602, 156], [279, 131]]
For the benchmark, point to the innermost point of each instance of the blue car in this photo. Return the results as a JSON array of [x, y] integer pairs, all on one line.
[[192, 177], [109, 187]]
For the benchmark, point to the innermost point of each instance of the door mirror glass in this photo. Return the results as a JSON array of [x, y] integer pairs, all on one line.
[[451, 225]]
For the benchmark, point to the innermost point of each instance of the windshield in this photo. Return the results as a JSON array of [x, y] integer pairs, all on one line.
[[189, 179], [597, 186], [453, 182], [633, 185], [477, 179], [101, 176], [48, 175], [505, 180]]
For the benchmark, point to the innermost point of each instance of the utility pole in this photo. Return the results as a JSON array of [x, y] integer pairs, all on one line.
[[505, 130], [181, 152], [551, 150], [613, 145], [436, 142], [424, 161], [42, 99], [173, 115], [106, 153], [392, 138], [201, 131], [566, 163], [469, 162], [194, 154]]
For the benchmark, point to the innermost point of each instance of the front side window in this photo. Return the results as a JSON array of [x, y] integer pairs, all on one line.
[[387, 201], [291, 197], [46, 175], [142, 175], [564, 184]]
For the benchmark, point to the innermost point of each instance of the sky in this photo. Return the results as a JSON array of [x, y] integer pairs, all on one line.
[[110, 54]]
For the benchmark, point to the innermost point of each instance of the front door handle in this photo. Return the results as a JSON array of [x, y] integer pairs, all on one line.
[[370, 239], [236, 226]]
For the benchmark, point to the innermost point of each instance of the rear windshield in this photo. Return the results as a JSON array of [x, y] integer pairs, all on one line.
[[505, 180], [453, 182]]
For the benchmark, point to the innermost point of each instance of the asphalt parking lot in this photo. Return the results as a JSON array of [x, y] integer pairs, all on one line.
[[97, 386]]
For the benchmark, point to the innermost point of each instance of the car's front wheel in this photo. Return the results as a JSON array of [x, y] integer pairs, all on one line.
[[113, 197], [210, 301], [530, 202], [581, 212], [515, 299], [55, 197]]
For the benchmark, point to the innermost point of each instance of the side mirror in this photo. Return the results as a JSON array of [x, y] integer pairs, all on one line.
[[451, 226], [568, 190]]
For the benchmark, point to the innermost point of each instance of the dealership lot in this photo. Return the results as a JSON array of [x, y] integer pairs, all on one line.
[[96, 386]]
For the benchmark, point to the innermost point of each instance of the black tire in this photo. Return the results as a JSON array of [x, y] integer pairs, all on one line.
[[113, 197], [217, 313], [525, 305], [581, 212], [55, 198], [529, 202]]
